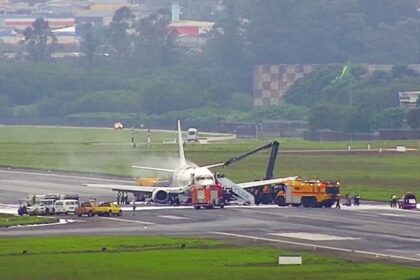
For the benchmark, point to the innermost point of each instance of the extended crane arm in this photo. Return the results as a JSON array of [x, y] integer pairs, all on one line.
[[273, 144]]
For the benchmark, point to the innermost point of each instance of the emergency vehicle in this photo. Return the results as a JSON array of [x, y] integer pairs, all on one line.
[[308, 193], [207, 196]]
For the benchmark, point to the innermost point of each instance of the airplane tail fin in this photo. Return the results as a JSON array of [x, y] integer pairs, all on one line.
[[181, 147]]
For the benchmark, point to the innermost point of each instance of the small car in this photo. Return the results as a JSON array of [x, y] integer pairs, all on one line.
[[408, 201], [108, 209], [118, 125], [86, 208]]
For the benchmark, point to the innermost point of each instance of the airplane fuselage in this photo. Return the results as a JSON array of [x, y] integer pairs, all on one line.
[[184, 176]]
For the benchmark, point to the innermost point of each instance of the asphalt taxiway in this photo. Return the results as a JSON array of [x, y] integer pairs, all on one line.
[[368, 230]]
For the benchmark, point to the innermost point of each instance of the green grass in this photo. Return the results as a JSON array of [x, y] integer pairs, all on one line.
[[163, 258], [374, 175], [7, 220]]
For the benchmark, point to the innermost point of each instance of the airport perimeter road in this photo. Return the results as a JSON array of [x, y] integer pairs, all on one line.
[[368, 230]]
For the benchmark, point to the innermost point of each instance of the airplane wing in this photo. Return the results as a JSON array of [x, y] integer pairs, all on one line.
[[214, 165], [134, 188], [252, 184], [153, 168], [125, 188]]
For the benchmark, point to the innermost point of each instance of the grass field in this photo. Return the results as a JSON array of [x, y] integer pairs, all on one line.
[[163, 258], [374, 175], [7, 220]]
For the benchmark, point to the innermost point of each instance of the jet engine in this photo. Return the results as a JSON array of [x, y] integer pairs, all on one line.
[[160, 195]]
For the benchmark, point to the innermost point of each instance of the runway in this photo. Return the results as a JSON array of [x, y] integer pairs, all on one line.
[[369, 230]]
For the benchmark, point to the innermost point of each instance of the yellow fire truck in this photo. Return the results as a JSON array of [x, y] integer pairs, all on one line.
[[308, 193]]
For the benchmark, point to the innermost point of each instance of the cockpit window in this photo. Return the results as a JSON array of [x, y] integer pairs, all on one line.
[[201, 178]]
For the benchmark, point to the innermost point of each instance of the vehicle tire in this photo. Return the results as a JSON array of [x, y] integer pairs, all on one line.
[[305, 202], [281, 201], [120, 213], [80, 215], [66, 213], [89, 214], [197, 207], [312, 202], [47, 211]]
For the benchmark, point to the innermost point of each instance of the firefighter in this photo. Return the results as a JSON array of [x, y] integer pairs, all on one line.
[[118, 197], [134, 206], [176, 201], [357, 199], [348, 199], [394, 200], [337, 204]]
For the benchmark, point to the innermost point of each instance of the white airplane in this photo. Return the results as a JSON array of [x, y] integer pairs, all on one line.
[[181, 179]]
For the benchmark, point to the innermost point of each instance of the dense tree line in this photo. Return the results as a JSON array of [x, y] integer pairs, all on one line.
[[358, 101], [136, 67]]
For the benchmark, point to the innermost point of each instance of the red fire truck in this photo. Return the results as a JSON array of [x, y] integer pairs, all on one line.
[[207, 196]]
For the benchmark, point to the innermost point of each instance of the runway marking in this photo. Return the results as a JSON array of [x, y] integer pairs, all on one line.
[[173, 217], [312, 236], [316, 246], [146, 208], [129, 221], [392, 215]]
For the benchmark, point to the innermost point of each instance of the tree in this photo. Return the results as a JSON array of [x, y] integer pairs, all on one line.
[[89, 42], [39, 40], [154, 44], [325, 117], [389, 118], [119, 38], [226, 48], [413, 118]]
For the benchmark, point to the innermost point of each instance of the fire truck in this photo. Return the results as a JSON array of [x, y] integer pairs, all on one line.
[[207, 196], [308, 193]]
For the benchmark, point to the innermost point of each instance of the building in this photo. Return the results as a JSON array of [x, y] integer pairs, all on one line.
[[408, 99], [191, 34]]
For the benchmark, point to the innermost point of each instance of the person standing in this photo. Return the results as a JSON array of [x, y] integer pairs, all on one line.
[[357, 199], [394, 200], [134, 206], [118, 197], [337, 203], [126, 198]]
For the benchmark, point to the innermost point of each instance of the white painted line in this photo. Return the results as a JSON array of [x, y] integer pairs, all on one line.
[[392, 215], [316, 246], [312, 236], [146, 208], [129, 221], [174, 217]]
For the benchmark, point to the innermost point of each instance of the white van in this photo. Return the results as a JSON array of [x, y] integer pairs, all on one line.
[[66, 206], [192, 135]]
